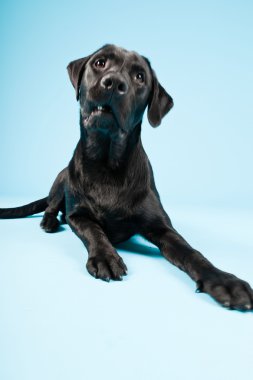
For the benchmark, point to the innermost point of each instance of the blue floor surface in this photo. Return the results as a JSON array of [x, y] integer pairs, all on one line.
[[57, 322]]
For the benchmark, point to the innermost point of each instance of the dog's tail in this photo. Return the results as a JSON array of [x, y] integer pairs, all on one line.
[[23, 211]]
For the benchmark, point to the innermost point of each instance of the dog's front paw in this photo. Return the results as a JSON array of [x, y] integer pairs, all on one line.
[[227, 289], [106, 266]]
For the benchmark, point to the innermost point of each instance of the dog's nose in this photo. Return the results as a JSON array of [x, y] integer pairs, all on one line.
[[114, 82]]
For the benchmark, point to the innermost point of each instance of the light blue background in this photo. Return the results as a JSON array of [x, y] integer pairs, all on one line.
[[56, 322]]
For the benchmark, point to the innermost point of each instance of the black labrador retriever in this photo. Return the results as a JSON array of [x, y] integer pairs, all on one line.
[[107, 193]]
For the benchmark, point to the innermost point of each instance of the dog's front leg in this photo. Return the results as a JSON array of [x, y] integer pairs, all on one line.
[[224, 287], [104, 262]]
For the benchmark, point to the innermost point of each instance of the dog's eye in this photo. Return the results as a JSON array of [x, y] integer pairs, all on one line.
[[100, 63], [140, 77]]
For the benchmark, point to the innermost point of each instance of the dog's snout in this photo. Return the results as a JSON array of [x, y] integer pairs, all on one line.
[[114, 82], [107, 83]]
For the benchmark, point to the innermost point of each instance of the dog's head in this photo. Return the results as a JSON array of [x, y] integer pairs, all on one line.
[[114, 87]]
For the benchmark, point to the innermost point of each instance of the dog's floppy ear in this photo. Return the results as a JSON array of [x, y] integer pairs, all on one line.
[[75, 70], [160, 103]]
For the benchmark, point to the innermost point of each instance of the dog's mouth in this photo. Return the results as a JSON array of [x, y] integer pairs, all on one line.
[[98, 110], [101, 109]]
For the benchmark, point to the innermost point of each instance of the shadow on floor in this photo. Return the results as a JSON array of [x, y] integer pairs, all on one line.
[[134, 246]]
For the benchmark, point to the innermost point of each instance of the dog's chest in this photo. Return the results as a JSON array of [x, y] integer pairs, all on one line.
[[114, 209], [111, 198], [108, 197]]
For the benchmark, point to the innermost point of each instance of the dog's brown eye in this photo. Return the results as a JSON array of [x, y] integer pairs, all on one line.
[[100, 63], [140, 77]]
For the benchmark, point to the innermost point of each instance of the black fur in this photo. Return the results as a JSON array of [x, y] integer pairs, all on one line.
[[23, 211], [107, 193]]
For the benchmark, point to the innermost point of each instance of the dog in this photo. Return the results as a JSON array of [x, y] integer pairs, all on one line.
[[107, 192]]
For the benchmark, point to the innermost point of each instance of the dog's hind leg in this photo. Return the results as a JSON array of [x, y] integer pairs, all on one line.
[[56, 203]]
